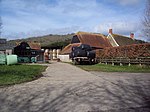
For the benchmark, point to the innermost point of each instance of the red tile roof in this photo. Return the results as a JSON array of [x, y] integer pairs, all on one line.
[[68, 48], [123, 40], [94, 40], [34, 45]]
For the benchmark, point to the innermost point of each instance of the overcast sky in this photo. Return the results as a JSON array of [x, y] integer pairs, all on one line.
[[27, 18]]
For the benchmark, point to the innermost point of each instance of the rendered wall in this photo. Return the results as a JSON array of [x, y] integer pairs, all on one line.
[[64, 58]]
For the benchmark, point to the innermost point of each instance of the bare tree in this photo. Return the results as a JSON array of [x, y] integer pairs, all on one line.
[[0, 22], [146, 21], [0, 26]]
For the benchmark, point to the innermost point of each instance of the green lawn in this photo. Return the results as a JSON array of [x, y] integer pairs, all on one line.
[[19, 73], [116, 68]]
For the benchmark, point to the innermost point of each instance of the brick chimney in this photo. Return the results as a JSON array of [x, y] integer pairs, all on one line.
[[110, 31], [132, 35]]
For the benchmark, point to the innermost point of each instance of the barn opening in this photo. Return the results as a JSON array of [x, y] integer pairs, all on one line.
[[28, 50]]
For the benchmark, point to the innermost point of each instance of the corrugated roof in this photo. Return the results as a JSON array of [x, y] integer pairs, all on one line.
[[123, 40]]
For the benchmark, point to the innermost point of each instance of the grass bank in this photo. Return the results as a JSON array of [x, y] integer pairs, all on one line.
[[15, 74], [116, 68]]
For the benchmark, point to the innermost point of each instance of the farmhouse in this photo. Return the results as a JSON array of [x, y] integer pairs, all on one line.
[[120, 40], [94, 40], [98, 41]]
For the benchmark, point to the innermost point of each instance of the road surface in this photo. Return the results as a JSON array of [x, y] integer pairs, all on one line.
[[66, 88]]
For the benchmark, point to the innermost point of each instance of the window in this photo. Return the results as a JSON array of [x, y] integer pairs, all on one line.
[[33, 52], [75, 39]]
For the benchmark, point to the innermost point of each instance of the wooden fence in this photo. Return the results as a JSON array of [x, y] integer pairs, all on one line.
[[129, 54], [129, 61]]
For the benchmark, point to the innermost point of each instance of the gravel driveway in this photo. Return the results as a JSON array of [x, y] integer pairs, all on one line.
[[66, 88]]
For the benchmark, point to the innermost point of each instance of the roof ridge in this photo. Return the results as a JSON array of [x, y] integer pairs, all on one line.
[[120, 35], [92, 33]]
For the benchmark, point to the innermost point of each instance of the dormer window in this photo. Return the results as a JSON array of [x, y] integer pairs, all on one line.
[[75, 39]]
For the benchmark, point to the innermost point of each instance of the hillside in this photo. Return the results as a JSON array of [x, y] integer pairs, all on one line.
[[47, 40], [53, 41]]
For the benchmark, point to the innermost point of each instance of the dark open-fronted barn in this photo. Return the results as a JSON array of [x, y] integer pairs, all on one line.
[[28, 50]]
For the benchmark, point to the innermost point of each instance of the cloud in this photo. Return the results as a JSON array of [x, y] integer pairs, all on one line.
[[128, 2], [38, 17], [121, 27], [34, 33]]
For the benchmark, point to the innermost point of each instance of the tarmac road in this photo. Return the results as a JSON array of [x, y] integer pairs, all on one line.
[[66, 88]]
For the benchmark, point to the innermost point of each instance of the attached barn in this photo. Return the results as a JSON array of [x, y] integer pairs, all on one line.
[[94, 40]]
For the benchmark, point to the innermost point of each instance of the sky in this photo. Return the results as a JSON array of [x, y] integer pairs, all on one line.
[[28, 18]]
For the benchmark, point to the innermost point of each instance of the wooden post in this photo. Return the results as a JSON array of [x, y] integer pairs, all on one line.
[[140, 62], [112, 62], [129, 63], [120, 64]]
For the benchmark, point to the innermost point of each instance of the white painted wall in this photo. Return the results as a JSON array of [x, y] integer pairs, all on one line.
[[2, 52], [9, 51], [64, 58], [112, 40]]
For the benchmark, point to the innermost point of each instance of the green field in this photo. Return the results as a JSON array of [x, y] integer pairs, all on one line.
[[116, 68], [15, 74]]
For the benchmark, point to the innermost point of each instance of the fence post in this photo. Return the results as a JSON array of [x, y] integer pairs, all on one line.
[[105, 61], [100, 60], [120, 62], [129, 63], [112, 62], [140, 62]]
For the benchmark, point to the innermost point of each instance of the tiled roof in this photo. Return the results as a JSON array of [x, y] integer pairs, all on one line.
[[34, 45], [68, 48], [123, 40], [94, 40]]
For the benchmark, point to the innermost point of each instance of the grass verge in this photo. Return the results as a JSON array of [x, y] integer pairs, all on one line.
[[15, 74], [116, 68]]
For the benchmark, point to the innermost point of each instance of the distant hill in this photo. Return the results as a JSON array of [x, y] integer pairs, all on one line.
[[47, 40]]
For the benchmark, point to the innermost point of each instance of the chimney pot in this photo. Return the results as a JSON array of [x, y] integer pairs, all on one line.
[[110, 31], [132, 35]]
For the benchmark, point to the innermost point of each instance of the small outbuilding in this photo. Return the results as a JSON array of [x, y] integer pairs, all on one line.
[[5, 48], [29, 50]]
